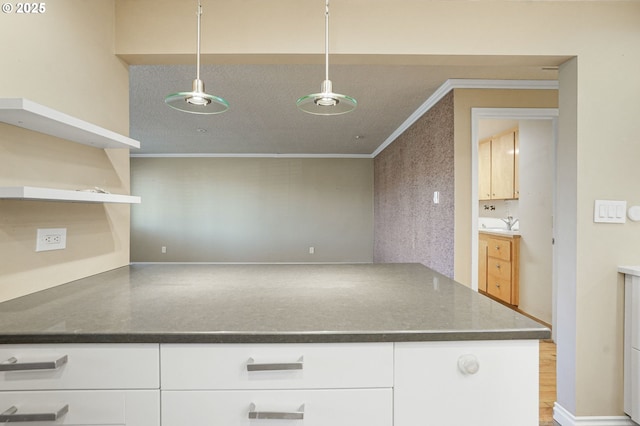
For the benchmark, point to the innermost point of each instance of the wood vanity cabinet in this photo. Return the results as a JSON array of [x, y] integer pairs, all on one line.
[[497, 167], [483, 245], [500, 278]]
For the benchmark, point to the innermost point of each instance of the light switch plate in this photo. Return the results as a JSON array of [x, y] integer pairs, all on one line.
[[608, 211]]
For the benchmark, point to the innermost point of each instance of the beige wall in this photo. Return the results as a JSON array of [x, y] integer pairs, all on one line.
[[62, 59], [252, 210]]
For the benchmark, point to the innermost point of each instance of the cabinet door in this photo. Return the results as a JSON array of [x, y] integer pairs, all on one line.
[[502, 166], [484, 170], [431, 389], [482, 264]]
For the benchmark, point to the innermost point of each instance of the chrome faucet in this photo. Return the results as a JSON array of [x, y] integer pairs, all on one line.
[[510, 221]]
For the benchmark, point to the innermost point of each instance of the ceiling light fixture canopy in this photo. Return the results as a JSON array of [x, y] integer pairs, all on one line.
[[197, 101], [326, 102]]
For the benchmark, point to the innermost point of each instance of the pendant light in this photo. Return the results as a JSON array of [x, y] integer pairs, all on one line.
[[326, 102], [197, 101]]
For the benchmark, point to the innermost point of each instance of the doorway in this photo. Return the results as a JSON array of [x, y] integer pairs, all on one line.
[[535, 207]]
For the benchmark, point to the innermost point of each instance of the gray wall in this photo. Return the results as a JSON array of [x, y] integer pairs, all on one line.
[[252, 210], [409, 227]]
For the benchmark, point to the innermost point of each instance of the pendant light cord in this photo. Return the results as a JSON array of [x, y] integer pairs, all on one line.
[[326, 40], [198, 43]]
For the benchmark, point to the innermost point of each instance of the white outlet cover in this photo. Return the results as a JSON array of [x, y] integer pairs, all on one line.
[[48, 239]]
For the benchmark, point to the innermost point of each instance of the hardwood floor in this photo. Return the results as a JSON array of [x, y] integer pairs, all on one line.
[[547, 382]]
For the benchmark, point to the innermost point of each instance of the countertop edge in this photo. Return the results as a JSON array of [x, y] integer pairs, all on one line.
[[291, 337], [629, 270]]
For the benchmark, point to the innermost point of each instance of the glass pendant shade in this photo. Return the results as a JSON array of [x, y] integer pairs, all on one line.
[[326, 102], [197, 101]]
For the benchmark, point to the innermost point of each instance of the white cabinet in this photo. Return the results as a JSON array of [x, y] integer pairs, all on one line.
[[457, 383], [482, 383], [340, 384], [632, 342], [334, 407], [83, 384], [109, 407], [277, 366]]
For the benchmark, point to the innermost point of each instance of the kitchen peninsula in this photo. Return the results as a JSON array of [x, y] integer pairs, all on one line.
[[358, 344]]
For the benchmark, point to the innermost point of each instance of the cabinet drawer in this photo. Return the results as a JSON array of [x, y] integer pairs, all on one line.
[[344, 407], [500, 249], [131, 408], [431, 388], [499, 269], [499, 288], [276, 366], [86, 367]]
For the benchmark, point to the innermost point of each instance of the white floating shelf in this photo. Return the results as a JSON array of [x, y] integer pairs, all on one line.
[[30, 115], [50, 194]]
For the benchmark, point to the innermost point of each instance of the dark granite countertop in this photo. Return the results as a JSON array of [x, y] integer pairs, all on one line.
[[306, 303]]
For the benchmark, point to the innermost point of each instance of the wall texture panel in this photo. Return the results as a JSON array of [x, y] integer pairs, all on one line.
[[409, 226]]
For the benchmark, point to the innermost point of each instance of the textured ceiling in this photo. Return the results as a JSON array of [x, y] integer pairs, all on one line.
[[263, 117]]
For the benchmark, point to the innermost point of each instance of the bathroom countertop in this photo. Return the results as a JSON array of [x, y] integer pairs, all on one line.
[[502, 232], [302, 303]]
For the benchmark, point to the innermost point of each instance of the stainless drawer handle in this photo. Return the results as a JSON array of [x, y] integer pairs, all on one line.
[[276, 415], [12, 364], [11, 416], [253, 366]]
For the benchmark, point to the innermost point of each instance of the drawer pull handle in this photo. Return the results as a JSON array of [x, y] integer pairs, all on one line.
[[276, 415], [11, 416], [498, 265], [12, 364], [278, 366]]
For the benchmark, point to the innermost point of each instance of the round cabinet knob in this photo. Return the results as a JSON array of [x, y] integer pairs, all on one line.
[[468, 364]]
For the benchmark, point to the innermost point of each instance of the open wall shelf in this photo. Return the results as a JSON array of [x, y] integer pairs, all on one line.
[[50, 194], [30, 115]]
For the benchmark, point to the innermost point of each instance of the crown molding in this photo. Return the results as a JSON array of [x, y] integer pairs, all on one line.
[[464, 84], [207, 155]]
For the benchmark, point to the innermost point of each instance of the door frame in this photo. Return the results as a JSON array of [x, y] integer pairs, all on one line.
[[478, 114]]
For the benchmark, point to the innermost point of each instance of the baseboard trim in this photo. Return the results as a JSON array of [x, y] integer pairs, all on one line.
[[565, 418]]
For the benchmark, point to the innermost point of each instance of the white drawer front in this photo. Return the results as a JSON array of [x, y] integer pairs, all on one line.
[[430, 386], [344, 407], [87, 367], [131, 408], [340, 365]]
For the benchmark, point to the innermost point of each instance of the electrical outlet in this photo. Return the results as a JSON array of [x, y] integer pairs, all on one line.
[[51, 239], [312, 250]]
